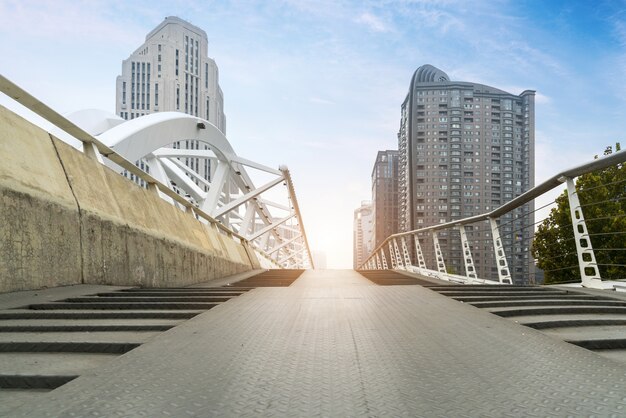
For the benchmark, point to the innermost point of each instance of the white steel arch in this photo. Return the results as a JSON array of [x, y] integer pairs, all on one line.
[[272, 225]]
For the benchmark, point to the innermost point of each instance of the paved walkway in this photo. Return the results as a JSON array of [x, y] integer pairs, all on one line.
[[334, 344]]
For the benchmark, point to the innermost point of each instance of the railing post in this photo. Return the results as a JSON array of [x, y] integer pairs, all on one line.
[[392, 256], [421, 262], [405, 253], [192, 212], [154, 188], [378, 266], [399, 262], [382, 255], [441, 264], [589, 273], [468, 260], [91, 150], [504, 274]]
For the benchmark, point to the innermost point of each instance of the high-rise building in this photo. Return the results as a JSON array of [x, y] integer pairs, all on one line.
[[466, 149], [385, 195], [172, 71], [363, 231]]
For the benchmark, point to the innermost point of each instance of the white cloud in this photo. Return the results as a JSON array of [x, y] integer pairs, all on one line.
[[373, 22], [551, 157], [319, 100], [542, 98], [70, 21]]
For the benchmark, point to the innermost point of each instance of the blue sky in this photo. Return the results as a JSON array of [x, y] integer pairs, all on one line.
[[317, 85]]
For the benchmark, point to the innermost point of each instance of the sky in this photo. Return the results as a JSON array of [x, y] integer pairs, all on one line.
[[317, 84]]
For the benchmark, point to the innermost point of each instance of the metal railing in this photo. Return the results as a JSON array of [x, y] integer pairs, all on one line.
[[96, 149], [404, 250]]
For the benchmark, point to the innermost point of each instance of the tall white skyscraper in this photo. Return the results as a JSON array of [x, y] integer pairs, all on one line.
[[172, 71]]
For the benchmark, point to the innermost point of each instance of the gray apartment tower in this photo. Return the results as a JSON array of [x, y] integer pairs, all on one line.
[[466, 149], [385, 195]]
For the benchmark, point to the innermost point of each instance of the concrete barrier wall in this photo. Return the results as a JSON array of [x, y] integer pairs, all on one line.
[[39, 220], [91, 225]]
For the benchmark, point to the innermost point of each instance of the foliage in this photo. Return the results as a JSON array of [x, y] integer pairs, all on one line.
[[602, 197]]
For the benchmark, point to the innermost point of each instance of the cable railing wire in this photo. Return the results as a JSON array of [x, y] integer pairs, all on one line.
[[597, 234], [528, 214], [614, 200], [575, 266], [602, 218], [586, 189]]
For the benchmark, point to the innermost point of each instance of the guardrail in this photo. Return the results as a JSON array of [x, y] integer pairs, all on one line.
[[397, 247]]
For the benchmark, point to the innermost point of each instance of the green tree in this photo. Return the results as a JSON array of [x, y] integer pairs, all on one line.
[[602, 197]]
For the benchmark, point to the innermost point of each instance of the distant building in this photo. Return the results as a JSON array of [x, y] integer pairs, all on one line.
[[363, 233], [385, 195], [319, 259], [172, 71], [465, 149]]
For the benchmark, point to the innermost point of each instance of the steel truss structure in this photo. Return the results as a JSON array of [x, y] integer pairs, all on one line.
[[266, 216]]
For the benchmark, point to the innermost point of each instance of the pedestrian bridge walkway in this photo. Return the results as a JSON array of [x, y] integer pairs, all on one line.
[[333, 343]]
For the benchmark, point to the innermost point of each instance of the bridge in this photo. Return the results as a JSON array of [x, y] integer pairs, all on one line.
[[168, 294]]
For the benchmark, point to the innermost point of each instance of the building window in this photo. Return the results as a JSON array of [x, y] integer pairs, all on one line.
[[186, 53], [123, 92]]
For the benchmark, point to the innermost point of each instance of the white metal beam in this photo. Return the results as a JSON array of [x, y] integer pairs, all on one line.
[[243, 199], [270, 227]]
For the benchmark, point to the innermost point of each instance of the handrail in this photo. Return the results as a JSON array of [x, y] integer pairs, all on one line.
[[552, 183]]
